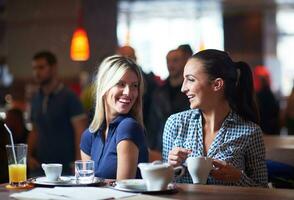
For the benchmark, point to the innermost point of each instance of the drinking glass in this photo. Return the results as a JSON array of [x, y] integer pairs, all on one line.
[[17, 164], [84, 171]]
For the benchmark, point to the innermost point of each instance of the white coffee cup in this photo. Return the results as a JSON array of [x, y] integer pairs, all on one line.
[[158, 175], [199, 168], [52, 171]]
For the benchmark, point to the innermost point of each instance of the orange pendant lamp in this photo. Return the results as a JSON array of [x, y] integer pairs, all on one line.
[[79, 49]]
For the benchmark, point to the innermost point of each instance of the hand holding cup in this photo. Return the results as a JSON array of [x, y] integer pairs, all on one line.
[[225, 171]]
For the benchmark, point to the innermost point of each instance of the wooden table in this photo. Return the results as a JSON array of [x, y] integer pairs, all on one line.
[[281, 142], [280, 148], [206, 192]]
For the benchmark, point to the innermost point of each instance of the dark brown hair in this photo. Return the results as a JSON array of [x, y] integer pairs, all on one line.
[[238, 81]]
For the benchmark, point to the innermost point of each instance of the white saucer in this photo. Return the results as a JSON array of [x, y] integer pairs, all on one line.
[[131, 184], [139, 186], [44, 179]]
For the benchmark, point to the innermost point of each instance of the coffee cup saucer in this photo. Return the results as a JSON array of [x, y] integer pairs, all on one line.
[[62, 179], [132, 184], [139, 186]]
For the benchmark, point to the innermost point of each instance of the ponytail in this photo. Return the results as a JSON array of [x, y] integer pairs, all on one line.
[[245, 103]]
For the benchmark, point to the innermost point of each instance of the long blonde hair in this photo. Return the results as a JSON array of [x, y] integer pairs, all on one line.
[[110, 71]]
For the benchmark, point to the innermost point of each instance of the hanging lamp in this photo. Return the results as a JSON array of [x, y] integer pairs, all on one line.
[[79, 49]]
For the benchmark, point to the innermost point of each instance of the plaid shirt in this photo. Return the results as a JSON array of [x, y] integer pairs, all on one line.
[[238, 142]]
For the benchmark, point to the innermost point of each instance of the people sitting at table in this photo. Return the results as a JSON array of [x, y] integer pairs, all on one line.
[[222, 123], [115, 139]]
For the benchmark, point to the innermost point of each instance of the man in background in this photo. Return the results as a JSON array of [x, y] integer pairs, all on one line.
[[166, 100], [187, 50], [57, 117]]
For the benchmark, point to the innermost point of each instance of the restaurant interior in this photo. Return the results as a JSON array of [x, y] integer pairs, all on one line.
[[259, 32]]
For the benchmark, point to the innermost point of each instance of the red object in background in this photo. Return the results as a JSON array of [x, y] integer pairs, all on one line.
[[260, 72], [158, 80], [76, 88]]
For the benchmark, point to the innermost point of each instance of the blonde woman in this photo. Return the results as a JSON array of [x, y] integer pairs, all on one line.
[[115, 139]]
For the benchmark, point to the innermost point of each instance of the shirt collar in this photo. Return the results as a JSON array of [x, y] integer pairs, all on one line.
[[55, 91], [114, 122], [118, 119], [231, 118]]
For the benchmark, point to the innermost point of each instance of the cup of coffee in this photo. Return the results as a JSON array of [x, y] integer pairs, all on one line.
[[158, 175], [199, 168], [52, 171]]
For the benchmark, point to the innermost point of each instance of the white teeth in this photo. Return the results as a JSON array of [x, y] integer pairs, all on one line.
[[124, 100]]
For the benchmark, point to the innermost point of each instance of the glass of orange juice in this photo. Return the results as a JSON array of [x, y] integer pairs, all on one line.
[[17, 164]]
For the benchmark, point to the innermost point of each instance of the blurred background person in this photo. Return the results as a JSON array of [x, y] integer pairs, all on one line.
[[268, 105], [166, 100], [57, 116], [187, 50], [115, 139], [289, 113]]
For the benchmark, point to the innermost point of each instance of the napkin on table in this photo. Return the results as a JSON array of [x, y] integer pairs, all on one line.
[[74, 193]]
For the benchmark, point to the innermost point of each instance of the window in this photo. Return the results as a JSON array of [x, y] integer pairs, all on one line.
[[153, 28], [285, 48]]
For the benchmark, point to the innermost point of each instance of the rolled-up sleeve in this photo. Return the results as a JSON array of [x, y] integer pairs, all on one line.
[[86, 142]]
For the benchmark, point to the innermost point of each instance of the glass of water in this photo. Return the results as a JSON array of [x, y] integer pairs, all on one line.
[[84, 171]]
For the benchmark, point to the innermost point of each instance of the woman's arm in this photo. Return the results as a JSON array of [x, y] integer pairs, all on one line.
[[127, 159], [85, 156]]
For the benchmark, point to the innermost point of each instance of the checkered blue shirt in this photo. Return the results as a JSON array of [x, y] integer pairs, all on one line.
[[238, 142]]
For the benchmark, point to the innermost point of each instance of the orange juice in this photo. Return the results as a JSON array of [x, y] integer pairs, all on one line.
[[17, 173]]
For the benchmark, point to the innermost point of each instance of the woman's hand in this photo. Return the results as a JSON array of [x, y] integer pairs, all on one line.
[[225, 171], [177, 155]]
